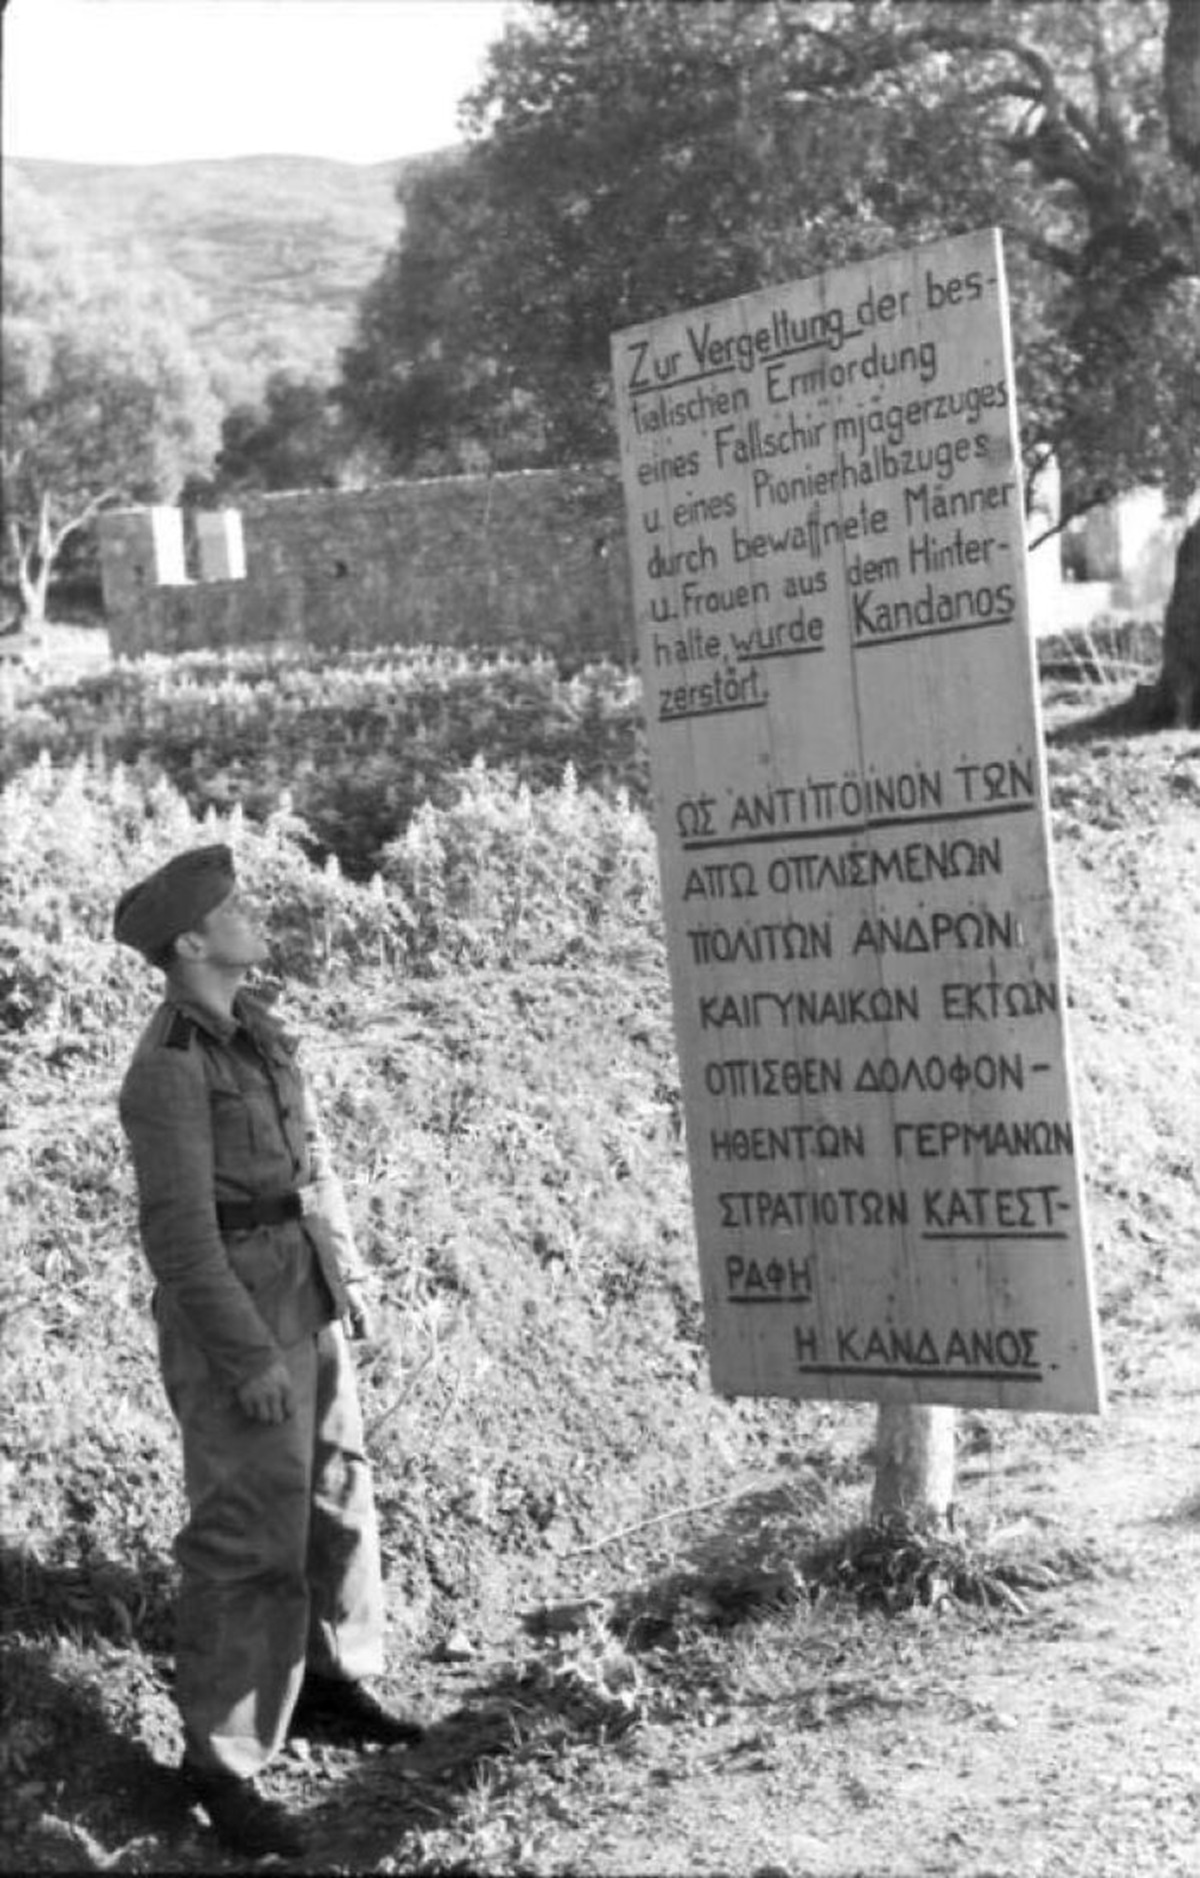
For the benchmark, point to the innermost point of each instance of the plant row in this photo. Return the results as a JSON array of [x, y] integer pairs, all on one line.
[[501, 875], [357, 741]]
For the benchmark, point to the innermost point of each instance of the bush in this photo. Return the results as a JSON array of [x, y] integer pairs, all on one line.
[[358, 742], [501, 875]]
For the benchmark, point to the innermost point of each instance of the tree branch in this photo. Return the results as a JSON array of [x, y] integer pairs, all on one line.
[[83, 518], [11, 460], [891, 50], [1112, 139], [1063, 145], [1066, 260], [1071, 513]]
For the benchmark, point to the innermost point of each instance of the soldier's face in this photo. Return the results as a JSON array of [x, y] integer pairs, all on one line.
[[232, 935]]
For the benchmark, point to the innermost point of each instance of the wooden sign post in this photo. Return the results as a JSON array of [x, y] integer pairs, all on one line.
[[828, 559]]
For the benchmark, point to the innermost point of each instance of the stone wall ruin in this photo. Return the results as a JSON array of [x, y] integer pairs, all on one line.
[[533, 558]]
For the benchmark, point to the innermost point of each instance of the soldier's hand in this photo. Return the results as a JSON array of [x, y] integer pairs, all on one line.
[[268, 1397], [359, 1315]]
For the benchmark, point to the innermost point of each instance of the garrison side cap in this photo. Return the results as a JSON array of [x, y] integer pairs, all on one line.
[[173, 899]]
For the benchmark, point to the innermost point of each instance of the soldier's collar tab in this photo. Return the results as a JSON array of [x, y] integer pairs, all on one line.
[[211, 1022]]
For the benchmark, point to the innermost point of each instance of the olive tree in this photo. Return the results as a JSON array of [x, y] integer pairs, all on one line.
[[103, 398]]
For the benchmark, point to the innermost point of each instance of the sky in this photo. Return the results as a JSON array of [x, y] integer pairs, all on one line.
[[148, 81]]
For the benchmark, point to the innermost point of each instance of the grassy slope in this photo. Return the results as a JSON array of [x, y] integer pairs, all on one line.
[[277, 249], [511, 1132], [1127, 847]]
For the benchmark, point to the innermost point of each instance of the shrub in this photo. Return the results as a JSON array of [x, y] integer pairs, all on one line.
[[358, 742], [501, 874]]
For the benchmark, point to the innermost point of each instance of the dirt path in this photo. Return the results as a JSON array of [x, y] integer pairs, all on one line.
[[1064, 1743], [1067, 1744]]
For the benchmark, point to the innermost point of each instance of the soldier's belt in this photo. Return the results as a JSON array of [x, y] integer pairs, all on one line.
[[245, 1215]]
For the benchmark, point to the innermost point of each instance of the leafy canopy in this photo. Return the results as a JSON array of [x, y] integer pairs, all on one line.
[[628, 159], [289, 441], [104, 398]]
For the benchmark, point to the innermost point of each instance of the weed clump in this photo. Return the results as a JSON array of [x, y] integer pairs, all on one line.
[[900, 1564]]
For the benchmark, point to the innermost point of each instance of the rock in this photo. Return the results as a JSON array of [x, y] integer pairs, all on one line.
[[456, 1648]]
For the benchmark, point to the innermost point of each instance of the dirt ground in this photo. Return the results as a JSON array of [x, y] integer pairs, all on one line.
[[1068, 1742], [1058, 1738], [1065, 1741]]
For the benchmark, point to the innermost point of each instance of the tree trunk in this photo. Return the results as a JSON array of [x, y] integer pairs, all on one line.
[[1179, 683], [1181, 80], [33, 551], [36, 552], [914, 1463], [34, 589]]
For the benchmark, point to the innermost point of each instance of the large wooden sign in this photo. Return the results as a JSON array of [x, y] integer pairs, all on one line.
[[828, 554]]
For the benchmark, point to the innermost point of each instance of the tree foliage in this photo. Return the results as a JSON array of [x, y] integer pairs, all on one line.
[[104, 399], [292, 440], [632, 158], [433, 377]]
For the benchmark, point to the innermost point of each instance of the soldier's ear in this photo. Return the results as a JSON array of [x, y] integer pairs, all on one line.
[[189, 945]]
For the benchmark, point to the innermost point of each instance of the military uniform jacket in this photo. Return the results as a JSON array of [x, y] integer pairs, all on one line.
[[218, 1110]]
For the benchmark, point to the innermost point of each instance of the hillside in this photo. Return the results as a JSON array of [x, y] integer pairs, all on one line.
[[275, 250], [643, 1620]]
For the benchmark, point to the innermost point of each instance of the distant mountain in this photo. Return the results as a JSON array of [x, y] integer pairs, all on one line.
[[275, 250]]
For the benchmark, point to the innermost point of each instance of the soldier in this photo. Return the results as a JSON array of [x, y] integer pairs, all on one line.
[[247, 1232]]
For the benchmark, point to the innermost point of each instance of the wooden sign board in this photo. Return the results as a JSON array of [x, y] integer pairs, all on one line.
[[825, 519]]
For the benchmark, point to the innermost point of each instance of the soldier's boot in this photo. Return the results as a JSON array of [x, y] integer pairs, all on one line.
[[330, 1709], [242, 1818]]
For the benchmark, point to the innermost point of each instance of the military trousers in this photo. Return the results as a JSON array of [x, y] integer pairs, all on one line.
[[279, 1558]]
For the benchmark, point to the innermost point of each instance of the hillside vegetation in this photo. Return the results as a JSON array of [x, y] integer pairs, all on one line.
[[600, 1575], [275, 249], [359, 742]]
